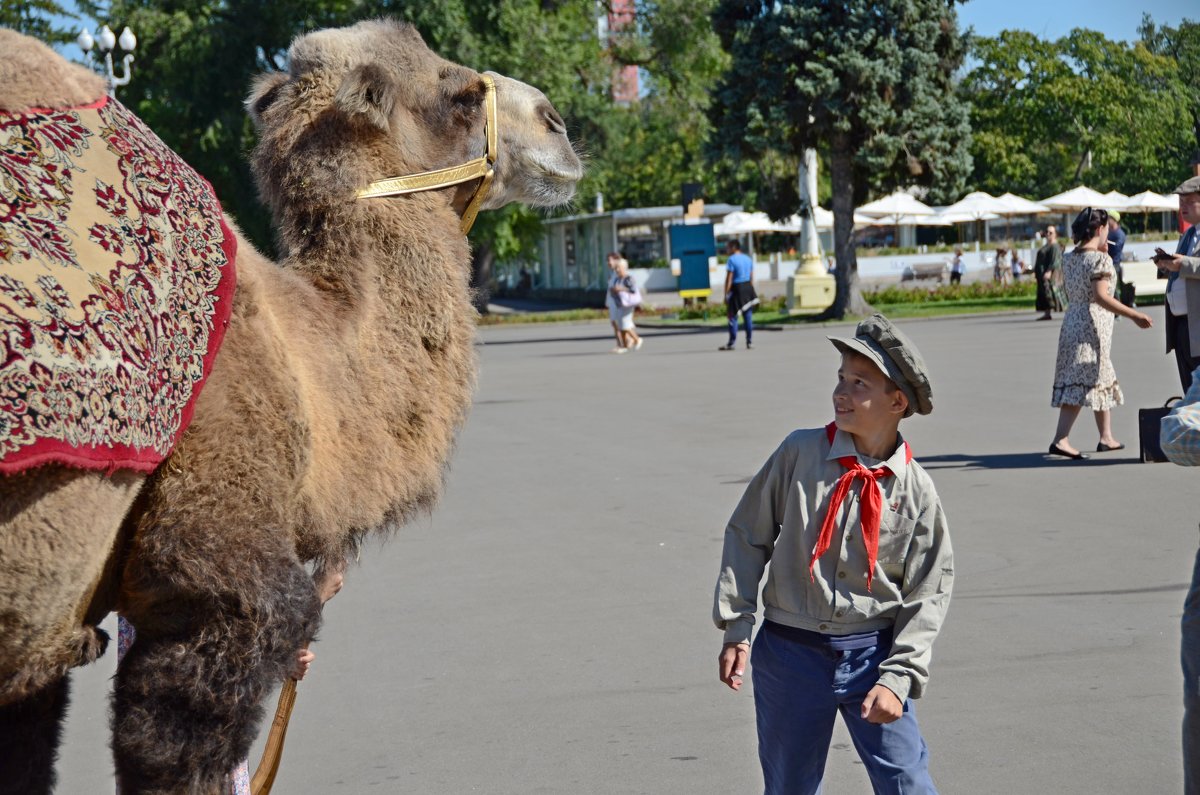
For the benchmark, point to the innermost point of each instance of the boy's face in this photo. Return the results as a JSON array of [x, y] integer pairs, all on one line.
[[865, 401]]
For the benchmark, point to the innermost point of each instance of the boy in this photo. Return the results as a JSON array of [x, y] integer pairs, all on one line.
[[860, 578]]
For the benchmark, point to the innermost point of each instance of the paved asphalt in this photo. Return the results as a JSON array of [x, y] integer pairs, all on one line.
[[547, 630]]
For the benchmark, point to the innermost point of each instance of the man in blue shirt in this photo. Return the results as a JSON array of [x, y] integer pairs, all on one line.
[[1116, 247], [740, 296]]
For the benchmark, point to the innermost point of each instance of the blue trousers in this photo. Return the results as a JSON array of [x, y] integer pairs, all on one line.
[[1189, 648], [799, 688], [748, 317]]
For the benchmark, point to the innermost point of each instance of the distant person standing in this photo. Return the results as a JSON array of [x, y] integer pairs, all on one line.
[[740, 296], [1000, 271], [1116, 242], [1183, 294], [957, 267], [1018, 267], [1046, 267], [1116, 249]]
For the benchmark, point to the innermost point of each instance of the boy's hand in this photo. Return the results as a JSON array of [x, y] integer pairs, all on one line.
[[733, 663], [304, 659], [881, 706]]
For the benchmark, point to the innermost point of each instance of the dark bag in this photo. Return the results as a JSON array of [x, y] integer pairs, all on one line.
[[1148, 431]]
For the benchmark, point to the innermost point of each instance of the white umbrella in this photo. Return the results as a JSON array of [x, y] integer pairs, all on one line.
[[1021, 205], [1076, 199], [743, 223], [1116, 201], [895, 206], [903, 220], [794, 223], [1148, 201], [962, 218], [975, 206]]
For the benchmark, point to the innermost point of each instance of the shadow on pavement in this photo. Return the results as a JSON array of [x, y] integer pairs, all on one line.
[[1015, 461], [590, 338]]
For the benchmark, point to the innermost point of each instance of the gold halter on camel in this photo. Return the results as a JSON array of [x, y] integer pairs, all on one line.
[[453, 175]]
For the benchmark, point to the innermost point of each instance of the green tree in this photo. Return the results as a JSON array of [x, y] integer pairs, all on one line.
[[869, 83], [196, 59], [1182, 44], [1048, 115], [37, 18]]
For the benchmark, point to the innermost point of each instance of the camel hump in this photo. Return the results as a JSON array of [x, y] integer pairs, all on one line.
[[34, 76]]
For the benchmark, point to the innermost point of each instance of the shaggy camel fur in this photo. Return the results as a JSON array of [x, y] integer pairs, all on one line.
[[330, 412]]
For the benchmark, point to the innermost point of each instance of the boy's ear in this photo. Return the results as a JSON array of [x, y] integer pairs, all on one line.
[[899, 402]]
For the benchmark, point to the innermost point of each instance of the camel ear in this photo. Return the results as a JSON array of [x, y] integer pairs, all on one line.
[[368, 94], [263, 93]]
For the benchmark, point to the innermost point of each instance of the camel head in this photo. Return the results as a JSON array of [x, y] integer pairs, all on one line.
[[371, 102]]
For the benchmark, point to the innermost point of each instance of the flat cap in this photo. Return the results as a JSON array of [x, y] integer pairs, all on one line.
[[1189, 186], [896, 356]]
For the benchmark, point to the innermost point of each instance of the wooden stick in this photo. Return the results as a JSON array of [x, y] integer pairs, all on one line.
[[268, 766]]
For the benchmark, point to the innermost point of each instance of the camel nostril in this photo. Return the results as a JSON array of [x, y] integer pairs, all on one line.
[[554, 122]]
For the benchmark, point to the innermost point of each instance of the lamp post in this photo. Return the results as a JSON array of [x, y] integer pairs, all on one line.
[[107, 41]]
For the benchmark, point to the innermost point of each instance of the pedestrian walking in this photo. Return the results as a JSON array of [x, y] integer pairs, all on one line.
[[740, 296], [858, 586], [957, 267], [1083, 372], [620, 312]]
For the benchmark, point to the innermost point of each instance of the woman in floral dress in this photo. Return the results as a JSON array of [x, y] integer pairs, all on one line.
[[1083, 374]]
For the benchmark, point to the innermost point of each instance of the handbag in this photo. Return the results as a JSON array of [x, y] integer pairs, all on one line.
[[629, 298], [1149, 422]]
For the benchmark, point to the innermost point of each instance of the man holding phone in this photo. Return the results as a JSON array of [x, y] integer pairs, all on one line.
[[1183, 285]]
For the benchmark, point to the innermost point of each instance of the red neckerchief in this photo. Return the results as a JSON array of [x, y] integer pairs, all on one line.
[[870, 500]]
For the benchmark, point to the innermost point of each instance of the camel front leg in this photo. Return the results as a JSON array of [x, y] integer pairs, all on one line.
[[188, 698]]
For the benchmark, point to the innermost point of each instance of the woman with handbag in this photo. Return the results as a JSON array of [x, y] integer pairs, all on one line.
[[1083, 373], [623, 297]]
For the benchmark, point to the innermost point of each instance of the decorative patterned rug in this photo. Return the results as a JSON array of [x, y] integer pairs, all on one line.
[[116, 283]]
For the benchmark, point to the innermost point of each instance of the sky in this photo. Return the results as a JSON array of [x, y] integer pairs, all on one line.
[[1053, 19]]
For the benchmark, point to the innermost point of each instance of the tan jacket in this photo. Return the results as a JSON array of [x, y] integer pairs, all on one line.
[[1190, 273], [778, 520]]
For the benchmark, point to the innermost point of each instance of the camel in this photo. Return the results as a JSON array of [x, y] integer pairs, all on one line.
[[330, 413]]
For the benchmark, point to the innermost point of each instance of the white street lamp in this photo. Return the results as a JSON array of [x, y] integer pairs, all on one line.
[[107, 41]]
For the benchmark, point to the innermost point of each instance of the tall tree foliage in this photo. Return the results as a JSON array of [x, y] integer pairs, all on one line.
[[196, 58], [1182, 45], [1048, 115], [37, 18], [866, 81]]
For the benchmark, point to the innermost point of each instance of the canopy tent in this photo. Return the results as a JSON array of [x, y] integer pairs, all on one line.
[[1076, 199], [890, 208]]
